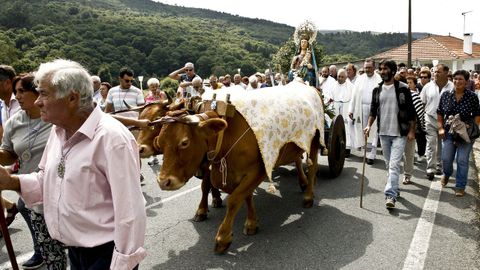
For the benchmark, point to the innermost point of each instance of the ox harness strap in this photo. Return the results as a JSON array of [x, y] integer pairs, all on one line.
[[223, 161], [211, 155]]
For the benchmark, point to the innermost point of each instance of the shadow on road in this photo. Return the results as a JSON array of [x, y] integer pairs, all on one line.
[[289, 236]]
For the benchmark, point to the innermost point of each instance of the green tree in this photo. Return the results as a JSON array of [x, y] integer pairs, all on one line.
[[170, 86], [8, 53], [104, 73]]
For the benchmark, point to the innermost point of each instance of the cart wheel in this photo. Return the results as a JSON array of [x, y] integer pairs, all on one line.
[[336, 146]]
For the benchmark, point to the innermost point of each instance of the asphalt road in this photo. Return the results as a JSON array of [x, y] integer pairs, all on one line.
[[335, 233]]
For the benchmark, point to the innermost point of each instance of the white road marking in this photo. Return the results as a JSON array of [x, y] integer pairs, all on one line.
[[421, 238], [174, 196], [20, 259]]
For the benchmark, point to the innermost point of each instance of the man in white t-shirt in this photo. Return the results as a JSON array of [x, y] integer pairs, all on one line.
[[430, 96]]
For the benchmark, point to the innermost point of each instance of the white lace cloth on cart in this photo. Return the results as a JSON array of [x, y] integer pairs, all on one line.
[[278, 115]]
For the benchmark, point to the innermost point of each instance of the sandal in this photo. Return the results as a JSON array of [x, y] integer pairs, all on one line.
[[406, 180]]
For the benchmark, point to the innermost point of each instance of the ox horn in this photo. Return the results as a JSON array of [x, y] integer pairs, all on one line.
[[130, 108], [186, 119], [191, 119]]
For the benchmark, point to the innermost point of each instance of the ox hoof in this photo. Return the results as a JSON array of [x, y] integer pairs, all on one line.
[[220, 248], [250, 231], [307, 203], [217, 203], [200, 217], [303, 188]]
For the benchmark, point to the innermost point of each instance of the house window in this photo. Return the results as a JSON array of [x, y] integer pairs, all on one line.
[[477, 67]]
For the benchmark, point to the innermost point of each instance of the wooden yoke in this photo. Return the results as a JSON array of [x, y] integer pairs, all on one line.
[[224, 109]]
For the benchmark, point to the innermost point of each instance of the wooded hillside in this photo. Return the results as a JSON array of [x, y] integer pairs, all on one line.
[[154, 38]]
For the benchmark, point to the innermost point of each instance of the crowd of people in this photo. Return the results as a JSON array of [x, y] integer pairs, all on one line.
[[59, 146], [410, 108]]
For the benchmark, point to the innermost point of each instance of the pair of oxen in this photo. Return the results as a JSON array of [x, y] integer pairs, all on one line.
[[189, 138]]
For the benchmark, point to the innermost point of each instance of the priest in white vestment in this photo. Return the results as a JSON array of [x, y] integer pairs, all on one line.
[[342, 93], [360, 108]]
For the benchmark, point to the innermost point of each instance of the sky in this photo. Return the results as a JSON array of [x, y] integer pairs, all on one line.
[[440, 17]]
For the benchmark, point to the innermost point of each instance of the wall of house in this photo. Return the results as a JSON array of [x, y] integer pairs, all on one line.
[[470, 64]]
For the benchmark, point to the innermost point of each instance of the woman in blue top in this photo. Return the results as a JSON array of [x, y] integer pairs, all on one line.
[[465, 103]]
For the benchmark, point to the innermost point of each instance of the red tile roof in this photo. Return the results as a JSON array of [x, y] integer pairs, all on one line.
[[432, 47]]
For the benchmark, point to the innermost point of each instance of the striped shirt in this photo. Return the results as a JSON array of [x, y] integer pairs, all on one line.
[[132, 96], [419, 109]]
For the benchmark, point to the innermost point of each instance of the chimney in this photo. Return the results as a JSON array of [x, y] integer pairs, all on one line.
[[467, 43]]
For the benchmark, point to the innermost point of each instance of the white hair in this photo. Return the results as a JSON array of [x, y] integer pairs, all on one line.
[[95, 78], [252, 79], [67, 76], [153, 81], [340, 71], [197, 80]]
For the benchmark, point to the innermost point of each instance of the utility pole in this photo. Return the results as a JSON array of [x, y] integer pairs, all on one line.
[[409, 54], [464, 15]]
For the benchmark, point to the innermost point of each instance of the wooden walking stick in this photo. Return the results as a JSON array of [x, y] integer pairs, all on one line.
[[363, 172], [6, 237]]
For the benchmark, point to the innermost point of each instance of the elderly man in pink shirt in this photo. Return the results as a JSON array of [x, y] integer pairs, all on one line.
[[88, 175]]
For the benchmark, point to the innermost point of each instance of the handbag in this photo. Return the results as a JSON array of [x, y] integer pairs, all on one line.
[[473, 130]]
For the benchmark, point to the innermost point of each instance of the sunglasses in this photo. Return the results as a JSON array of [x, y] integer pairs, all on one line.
[[423, 77]]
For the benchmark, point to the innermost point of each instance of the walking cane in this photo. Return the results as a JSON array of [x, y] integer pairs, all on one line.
[[363, 172], [6, 237]]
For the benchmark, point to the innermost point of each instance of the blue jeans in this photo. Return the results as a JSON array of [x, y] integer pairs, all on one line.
[[393, 148], [462, 151]]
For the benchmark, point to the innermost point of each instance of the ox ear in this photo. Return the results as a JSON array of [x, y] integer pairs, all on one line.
[[211, 127]]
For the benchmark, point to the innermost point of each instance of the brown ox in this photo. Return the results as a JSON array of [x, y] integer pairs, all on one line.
[[184, 147], [146, 147]]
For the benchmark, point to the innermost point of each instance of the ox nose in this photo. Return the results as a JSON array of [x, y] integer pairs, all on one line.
[[169, 182], [144, 151], [166, 183]]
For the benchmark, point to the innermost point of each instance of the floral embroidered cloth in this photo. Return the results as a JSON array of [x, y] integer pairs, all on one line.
[[278, 115]]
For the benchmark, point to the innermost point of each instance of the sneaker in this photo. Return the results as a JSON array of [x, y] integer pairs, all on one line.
[[36, 261], [390, 203], [443, 180], [430, 176], [438, 172], [152, 162], [406, 180], [459, 193], [370, 161], [11, 213]]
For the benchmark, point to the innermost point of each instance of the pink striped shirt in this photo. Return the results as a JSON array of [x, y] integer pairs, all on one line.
[[99, 199]]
